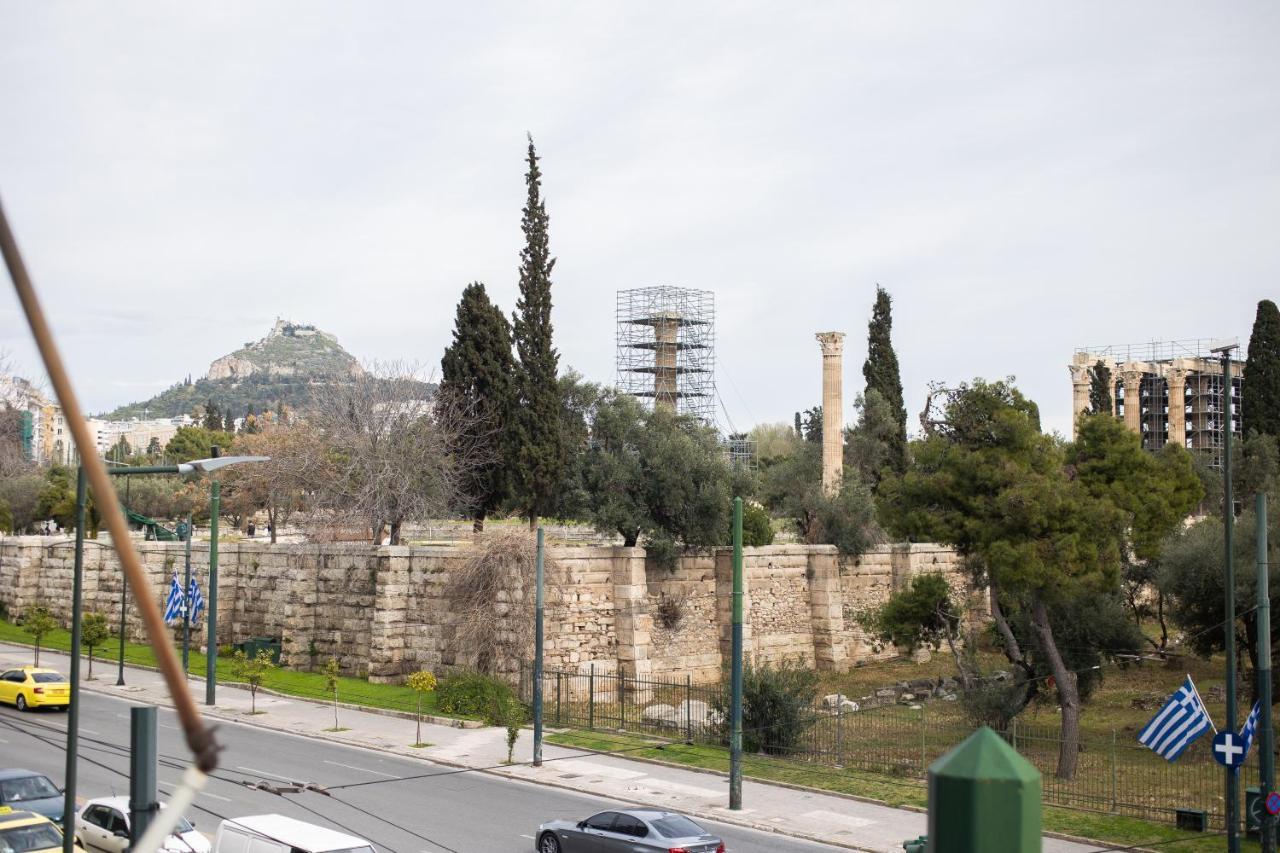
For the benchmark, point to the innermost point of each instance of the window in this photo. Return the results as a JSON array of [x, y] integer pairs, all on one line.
[[48, 678], [602, 821], [677, 826], [25, 789], [116, 822], [39, 836], [96, 815], [632, 826]]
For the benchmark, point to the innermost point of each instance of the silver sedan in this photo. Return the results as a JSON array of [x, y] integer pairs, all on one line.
[[627, 831]]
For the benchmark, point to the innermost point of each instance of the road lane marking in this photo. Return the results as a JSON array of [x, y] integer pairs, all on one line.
[[530, 837], [167, 726], [362, 769], [264, 773], [215, 796]]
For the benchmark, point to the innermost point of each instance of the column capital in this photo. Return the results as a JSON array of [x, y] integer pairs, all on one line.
[[1132, 375], [1079, 374], [1176, 375], [832, 343]]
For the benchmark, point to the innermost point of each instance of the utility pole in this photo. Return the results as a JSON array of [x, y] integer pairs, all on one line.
[[142, 769], [1266, 738], [73, 711], [211, 642], [124, 611], [537, 658], [186, 607], [735, 706], [1229, 624]]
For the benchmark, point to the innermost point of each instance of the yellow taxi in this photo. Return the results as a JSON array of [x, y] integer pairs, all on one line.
[[32, 687], [28, 832]]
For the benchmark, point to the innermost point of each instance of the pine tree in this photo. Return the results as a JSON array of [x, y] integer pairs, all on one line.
[[1100, 399], [212, 416], [1260, 387], [799, 426], [477, 371], [881, 372], [538, 454]]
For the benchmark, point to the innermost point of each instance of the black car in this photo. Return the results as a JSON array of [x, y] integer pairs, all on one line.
[[23, 789]]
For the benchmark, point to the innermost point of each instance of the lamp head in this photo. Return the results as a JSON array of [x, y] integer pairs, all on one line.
[[208, 465]]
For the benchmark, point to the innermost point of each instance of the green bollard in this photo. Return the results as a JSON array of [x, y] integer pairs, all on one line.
[[984, 798]]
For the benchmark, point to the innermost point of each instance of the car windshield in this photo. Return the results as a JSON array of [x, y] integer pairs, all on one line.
[[26, 788], [20, 839], [48, 678], [184, 825], [676, 826], [345, 850]]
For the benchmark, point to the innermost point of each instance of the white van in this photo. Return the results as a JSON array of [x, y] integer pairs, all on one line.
[[273, 833]]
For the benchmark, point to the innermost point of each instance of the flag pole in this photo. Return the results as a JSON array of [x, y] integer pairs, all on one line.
[[1202, 705]]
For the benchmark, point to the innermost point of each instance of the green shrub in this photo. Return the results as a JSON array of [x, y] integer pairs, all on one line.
[[475, 695], [757, 527], [920, 613], [777, 707]]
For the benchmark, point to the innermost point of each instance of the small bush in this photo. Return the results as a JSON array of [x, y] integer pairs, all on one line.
[[777, 707], [757, 527], [920, 613], [475, 695]]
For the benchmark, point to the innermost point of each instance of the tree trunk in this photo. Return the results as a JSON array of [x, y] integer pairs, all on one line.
[[89, 677], [1164, 629], [477, 522], [533, 522], [395, 532], [272, 515], [1069, 746], [1012, 650], [378, 529]]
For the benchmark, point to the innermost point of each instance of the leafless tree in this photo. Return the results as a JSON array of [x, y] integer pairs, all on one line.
[[389, 455], [491, 596], [279, 486]]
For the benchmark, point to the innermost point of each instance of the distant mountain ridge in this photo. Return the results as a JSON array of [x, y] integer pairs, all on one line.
[[282, 368]]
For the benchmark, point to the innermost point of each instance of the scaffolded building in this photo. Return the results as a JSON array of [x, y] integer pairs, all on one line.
[[666, 348], [1172, 391]]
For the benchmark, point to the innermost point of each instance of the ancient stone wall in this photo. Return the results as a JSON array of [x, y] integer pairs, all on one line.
[[384, 612]]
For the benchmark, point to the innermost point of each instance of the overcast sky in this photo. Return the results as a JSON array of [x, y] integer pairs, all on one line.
[[1024, 178]]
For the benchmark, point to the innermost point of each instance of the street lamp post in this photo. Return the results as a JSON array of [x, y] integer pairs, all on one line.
[[186, 607], [1229, 580]]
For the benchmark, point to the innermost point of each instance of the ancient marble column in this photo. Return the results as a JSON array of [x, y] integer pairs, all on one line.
[[1177, 379], [666, 353], [1079, 393], [832, 410], [1133, 399]]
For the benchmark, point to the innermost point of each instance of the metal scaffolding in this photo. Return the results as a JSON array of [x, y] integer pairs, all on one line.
[[666, 348]]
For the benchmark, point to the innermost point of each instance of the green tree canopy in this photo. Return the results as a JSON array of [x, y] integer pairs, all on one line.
[[1101, 401], [1260, 388], [477, 370], [656, 476], [792, 489], [881, 373], [538, 455], [193, 442]]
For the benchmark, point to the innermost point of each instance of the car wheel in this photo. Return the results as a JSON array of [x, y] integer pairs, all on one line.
[[548, 843], [22, 702]]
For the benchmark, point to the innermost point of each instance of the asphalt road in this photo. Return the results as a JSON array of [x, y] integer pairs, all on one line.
[[455, 811]]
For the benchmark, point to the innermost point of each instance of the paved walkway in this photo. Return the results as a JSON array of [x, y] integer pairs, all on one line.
[[826, 818]]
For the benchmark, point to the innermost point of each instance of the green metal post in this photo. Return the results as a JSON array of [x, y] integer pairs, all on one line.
[[924, 765], [537, 657], [1229, 624], [73, 712], [124, 615], [142, 769], [984, 798], [559, 722], [735, 707], [1266, 746], [211, 661], [591, 696], [186, 607], [688, 708], [1115, 800], [840, 732]]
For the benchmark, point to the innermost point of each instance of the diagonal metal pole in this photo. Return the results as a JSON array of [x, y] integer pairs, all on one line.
[[199, 738]]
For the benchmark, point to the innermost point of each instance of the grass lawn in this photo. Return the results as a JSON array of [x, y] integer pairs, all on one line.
[[1111, 829], [307, 685]]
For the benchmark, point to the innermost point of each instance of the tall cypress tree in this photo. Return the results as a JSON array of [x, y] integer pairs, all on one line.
[[1260, 387], [477, 372], [881, 372], [539, 453], [1100, 399]]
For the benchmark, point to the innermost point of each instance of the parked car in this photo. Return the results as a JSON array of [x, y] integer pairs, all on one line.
[[102, 826], [24, 789], [22, 831], [31, 687], [639, 830], [273, 833]]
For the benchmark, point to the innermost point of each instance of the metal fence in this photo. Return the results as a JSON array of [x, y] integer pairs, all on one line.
[[1114, 773]]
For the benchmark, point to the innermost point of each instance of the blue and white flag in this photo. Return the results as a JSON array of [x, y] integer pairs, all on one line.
[[196, 599], [173, 605], [1249, 729], [1176, 725]]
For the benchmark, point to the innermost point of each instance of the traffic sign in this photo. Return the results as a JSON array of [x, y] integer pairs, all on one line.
[[1228, 749], [1273, 803]]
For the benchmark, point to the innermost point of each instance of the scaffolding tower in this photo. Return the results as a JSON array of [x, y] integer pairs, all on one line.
[[666, 348]]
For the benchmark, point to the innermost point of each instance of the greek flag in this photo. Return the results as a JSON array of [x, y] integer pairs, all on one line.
[[173, 605], [197, 600], [1176, 726], [1249, 729]]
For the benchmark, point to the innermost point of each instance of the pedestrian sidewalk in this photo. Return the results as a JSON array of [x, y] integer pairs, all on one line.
[[816, 816]]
